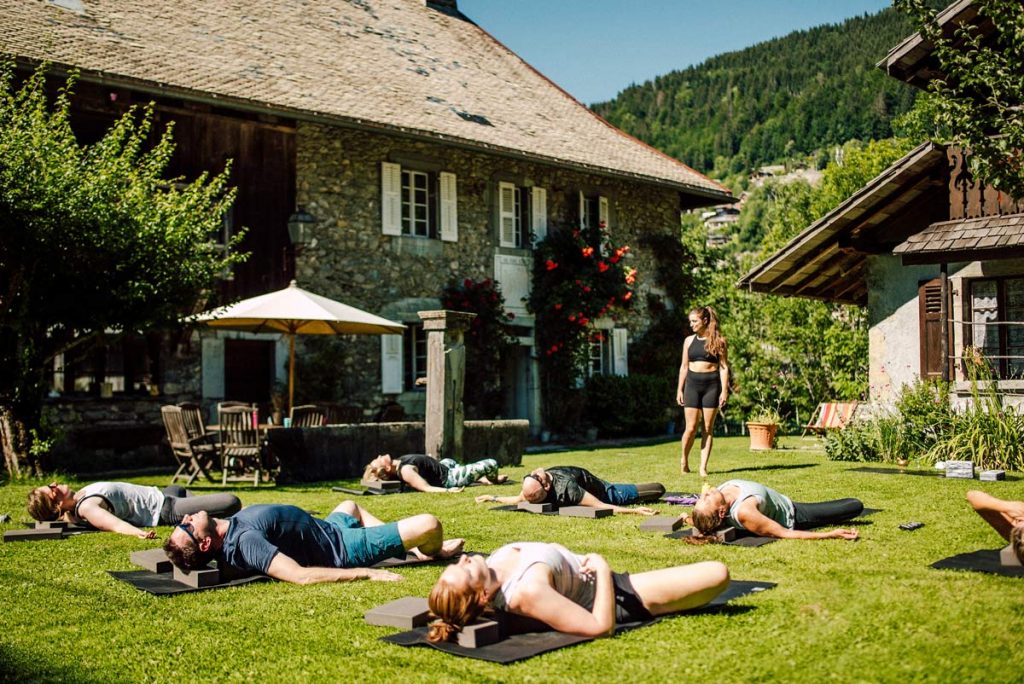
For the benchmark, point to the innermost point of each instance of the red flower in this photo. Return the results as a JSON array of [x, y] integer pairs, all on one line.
[[572, 317], [467, 283], [587, 252], [602, 267], [584, 321], [586, 288], [551, 265], [626, 297], [614, 258], [558, 307]]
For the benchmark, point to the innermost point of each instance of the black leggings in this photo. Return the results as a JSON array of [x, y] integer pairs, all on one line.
[[179, 502], [811, 515], [702, 390]]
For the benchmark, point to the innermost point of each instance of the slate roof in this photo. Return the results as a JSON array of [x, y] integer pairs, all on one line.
[[396, 65], [990, 233]]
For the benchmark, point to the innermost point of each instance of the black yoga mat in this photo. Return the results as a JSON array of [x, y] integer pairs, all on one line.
[[512, 508], [744, 540], [523, 646], [163, 584], [983, 560]]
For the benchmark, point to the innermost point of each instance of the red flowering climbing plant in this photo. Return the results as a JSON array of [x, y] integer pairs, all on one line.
[[578, 277], [488, 341]]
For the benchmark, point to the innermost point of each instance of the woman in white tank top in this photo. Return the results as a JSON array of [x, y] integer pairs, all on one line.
[[576, 594], [124, 507]]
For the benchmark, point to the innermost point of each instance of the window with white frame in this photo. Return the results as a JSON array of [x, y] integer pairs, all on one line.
[[404, 360], [418, 203], [414, 356], [522, 215], [996, 323], [607, 352]]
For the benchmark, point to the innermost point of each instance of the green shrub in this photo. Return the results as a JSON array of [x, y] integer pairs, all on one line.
[[856, 442], [628, 405], [986, 432]]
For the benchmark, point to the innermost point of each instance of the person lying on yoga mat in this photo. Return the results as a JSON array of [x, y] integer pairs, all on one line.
[[764, 512], [123, 507], [289, 544], [1005, 517], [571, 593], [426, 474], [572, 486]]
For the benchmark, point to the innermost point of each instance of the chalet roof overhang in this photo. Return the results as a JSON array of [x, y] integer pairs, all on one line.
[[974, 239], [690, 196], [912, 60], [828, 259]]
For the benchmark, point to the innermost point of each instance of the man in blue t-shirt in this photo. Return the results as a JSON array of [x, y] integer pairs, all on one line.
[[289, 544]]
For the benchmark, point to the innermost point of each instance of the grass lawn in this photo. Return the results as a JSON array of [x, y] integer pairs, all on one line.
[[870, 610]]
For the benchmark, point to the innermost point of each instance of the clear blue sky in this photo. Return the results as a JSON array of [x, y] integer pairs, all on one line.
[[595, 48]]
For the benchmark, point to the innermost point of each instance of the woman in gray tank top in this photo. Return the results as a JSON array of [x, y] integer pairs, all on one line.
[[575, 594], [123, 507], [760, 510]]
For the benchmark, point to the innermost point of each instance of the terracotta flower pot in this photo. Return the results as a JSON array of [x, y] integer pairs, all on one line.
[[762, 435]]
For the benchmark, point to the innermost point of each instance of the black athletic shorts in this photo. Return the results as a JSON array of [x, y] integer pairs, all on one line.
[[628, 606], [702, 390]]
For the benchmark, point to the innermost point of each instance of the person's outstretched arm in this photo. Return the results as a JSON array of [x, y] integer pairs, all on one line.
[[286, 569], [485, 498], [723, 375], [756, 522], [102, 519]]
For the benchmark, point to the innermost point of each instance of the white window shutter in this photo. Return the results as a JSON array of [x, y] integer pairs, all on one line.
[[391, 364], [539, 214], [507, 214], [620, 354], [449, 208], [602, 212], [583, 211], [391, 198]]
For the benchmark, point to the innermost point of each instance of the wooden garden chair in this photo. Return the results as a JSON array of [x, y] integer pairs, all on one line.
[[241, 447], [307, 416], [831, 415], [195, 454]]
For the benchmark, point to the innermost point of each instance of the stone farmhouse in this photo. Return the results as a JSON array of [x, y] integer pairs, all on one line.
[[934, 255], [426, 151]]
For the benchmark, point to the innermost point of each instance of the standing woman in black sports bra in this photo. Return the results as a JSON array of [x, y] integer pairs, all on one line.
[[703, 383]]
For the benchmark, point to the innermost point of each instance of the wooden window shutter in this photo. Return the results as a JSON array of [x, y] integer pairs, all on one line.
[[507, 214], [391, 364], [929, 296], [602, 212], [391, 198], [449, 208], [539, 214], [583, 211], [620, 353]]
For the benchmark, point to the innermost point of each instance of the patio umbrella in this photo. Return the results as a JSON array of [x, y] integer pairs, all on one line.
[[295, 311]]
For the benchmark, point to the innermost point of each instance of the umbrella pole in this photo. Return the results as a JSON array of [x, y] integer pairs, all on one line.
[[291, 372]]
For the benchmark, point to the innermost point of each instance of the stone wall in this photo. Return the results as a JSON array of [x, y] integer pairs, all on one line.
[[123, 432], [342, 451], [339, 182]]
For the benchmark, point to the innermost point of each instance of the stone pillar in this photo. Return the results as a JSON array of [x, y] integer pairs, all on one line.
[[446, 372]]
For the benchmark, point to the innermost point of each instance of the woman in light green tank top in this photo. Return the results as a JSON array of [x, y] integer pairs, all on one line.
[[762, 511]]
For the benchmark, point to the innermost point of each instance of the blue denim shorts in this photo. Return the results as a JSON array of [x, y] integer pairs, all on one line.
[[622, 494], [365, 546]]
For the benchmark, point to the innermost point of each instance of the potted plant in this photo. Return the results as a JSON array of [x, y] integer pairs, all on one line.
[[762, 425]]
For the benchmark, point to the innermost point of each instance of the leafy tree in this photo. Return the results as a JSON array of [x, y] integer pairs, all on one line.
[[94, 242], [797, 351], [978, 102]]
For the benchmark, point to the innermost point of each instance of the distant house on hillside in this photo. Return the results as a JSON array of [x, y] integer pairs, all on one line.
[[426, 151], [934, 255], [718, 221]]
